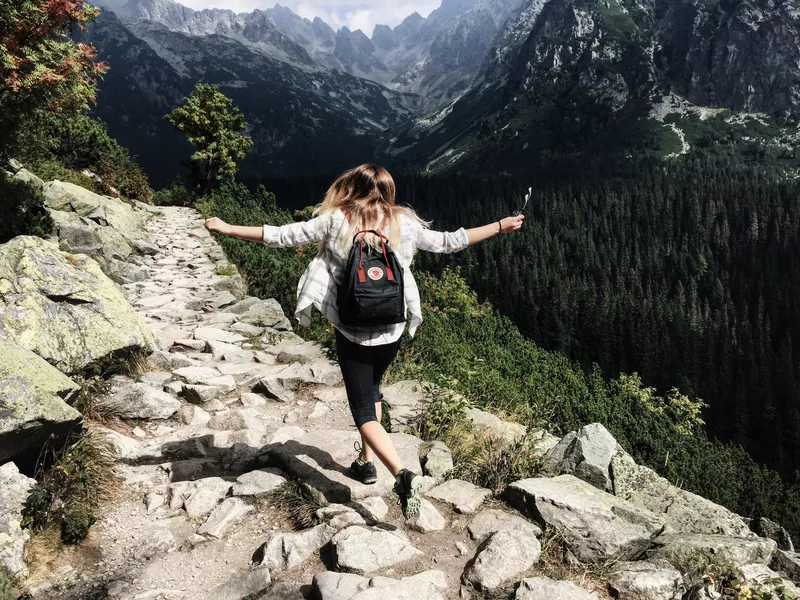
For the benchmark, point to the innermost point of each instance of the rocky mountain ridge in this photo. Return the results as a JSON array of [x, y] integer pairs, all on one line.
[[232, 405]]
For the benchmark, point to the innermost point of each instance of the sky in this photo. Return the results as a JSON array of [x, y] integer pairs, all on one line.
[[353, 14]]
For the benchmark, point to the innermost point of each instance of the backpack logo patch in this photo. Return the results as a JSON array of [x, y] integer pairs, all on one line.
[[375, 273]]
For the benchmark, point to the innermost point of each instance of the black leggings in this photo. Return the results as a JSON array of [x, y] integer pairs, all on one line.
[[362, 370]]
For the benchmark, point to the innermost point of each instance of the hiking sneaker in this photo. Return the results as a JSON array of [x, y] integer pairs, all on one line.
[[365, 472], [406, 486]]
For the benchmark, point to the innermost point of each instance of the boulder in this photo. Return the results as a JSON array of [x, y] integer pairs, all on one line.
[[504, 557], [263, 313], [101, 210], [763, 527], [32, 404], [127, 399], [224, 516], [63, 307], [696, 553], [491, 425], [544, 588], [242, 585], [203, 495], [405, 400], [643, 580], [259, 483], [682, 511], [322, 459], [293, 548], [428, 520], [304, 353], [330, 585], [787, 563], [14, 489], [361, 550], [490, 521], [436, 458], [462, 495], [595, 525], [586, 454]]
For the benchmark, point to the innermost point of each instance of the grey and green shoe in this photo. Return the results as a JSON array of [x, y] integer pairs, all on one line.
[[406, 486]]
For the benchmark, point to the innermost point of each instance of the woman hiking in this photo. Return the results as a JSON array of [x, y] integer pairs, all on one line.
[[362, 200]]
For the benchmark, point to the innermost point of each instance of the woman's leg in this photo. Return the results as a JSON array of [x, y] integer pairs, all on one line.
[[382, 357], [358, 370]]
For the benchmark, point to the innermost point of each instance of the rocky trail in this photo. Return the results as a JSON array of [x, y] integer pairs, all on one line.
[[229, 407]]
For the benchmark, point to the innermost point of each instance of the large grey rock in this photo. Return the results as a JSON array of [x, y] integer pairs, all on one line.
[[595, 525], [104, 212], [265, 313], [491, 425], [203, 495], [322, 458], [643, 580], [330, 585], [32, 407], [259, 483], [506, 555], [230, 352], [764, 527], [63, 307], [436, 458], [429, 519], [360, 550], [241, 585], [127, 399], [695, 553], [544, 588], [462, 495], [14, 489], [787, 563], [586, 454], [405, 399], [294, 548], [304, 353], [368, 511], [490, 521], [224, 516], [682, 511]]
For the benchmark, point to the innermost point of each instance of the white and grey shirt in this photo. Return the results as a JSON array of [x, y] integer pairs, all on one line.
[[318, 285]]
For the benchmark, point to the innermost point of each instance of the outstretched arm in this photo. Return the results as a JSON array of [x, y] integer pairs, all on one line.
[[507, 225], [251, 234], [283, 236]]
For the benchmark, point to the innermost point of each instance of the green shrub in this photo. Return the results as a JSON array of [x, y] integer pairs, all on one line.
[[76, 142], [175, 194], [70, 487], [7, 584], [22, 207]]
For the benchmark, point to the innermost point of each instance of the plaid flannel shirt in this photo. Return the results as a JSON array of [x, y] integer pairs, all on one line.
[[318, 285]]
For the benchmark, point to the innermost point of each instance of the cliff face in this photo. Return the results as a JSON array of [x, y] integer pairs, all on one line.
[[743, 56]]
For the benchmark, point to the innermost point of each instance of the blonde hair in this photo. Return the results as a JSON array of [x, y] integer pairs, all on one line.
[[366, 194]]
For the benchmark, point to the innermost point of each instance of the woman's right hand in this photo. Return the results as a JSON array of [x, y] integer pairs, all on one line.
[[218, 225], [510, 224]]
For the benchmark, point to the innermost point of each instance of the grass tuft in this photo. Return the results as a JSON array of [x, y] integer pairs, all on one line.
[[8, 584], [71, 483], [226, 270], [299, 501]]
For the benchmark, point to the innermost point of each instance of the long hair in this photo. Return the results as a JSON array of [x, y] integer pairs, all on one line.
[[366, 195]]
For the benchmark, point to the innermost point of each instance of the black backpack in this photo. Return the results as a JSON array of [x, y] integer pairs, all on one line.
[[371, 289]]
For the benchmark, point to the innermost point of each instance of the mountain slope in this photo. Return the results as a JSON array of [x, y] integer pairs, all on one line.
[[585, 77], [289, 111]]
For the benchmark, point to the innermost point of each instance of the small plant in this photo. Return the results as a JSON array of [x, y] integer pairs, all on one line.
[[7, 584], [299, 501], [70, 488], [22, 206], [730, 587], [226, 270]]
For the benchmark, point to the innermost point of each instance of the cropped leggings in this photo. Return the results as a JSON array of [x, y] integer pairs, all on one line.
[[362, 370]]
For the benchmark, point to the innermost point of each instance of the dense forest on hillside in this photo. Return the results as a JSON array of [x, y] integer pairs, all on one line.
[[688, 274]]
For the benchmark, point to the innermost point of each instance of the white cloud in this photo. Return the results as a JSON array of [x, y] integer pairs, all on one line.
[[353, 14]]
